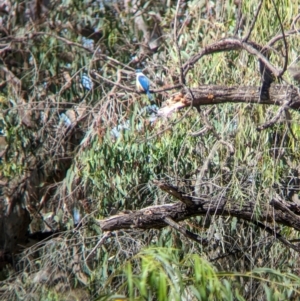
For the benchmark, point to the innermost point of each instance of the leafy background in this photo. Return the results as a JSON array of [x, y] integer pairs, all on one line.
[[91, 146]]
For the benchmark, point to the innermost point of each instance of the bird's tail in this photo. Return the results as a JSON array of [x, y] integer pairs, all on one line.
[[150, 96]]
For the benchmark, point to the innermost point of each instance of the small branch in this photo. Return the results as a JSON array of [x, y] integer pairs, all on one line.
[[175, 87], [66, 41], [174, 191], [182, 78], [288, 119], [284, 41], [238, 18], [278, 205], [246, 38], [229, 44], [100, 242], [201, 132], [294, 22], [186, 232], [279, 37], [272, 121], [204, 118], [229, 146], [277, 236], [95, 74]]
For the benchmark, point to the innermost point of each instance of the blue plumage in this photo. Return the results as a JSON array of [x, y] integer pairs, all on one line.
[[142, 83]]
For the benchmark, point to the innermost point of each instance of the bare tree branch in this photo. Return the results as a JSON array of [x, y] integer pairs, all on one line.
[[99, 244], [279, 37], [155, 216], [277, 236], [284, 41], [175, 193], [272, 121], [227, 45], [213, 94], [246, 38], [186, 232], [239, 17], [182, 77]]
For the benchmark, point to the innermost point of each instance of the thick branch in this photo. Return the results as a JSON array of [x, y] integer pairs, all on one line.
[[154, 217], [228, 45], [213, 94]]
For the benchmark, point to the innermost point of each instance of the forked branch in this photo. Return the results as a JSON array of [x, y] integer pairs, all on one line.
[[213, 94], [276, 211]]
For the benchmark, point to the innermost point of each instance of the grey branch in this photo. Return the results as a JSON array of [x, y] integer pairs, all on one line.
[[215, 94]]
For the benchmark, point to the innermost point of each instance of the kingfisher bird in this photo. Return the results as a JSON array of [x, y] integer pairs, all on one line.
[[143, 83]]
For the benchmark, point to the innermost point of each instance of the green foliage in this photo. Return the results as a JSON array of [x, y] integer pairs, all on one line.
[[120, 170], [89, 162], [169, 274]]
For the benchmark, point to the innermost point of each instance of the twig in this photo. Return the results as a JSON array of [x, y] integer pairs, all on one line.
[[94, 73], [186, 232], [200, 132], [281, 206], [210, 126], [182, 78], [175, 87], [279, 37], [238, 18], [229, 146], [277, 236], [174, 191], [273, 120], [234, 251], [284, 42], [246, 38], [100, 242], [288, 119], [294, 22]]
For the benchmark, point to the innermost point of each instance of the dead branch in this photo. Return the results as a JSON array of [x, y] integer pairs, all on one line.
[[232, 44], [246, 38], [176, 36], [277, 211], [155, 216], [284, 41], [213, 94], [185, 232]]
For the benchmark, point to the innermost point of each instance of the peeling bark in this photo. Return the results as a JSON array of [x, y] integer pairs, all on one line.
[[212, 94], [276, 211]]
